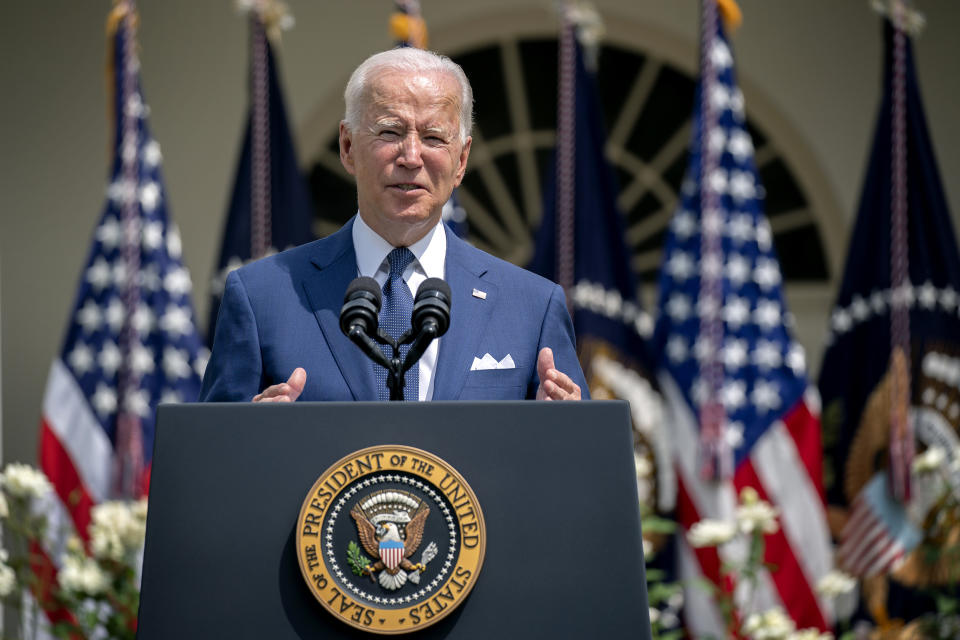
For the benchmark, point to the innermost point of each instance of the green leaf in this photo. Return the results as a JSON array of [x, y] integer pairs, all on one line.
[[656, 524], [357, 560], [653, 575]]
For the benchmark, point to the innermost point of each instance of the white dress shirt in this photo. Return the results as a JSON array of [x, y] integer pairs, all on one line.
[[429, 254]]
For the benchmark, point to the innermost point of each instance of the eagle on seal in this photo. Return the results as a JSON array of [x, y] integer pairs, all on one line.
[[385, 541]]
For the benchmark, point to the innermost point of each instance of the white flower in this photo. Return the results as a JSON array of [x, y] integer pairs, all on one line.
[[81, 574], [710, 533], [23, 481], [4, 507], [929, 461], [654, 615], [117, 529], [836, 583], [647, 548], [755, 514], [8, 580], [642, 463], [139, 510], [810, 634], [769, 625]]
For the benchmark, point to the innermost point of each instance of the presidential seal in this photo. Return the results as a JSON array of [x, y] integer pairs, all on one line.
[[390, 539]]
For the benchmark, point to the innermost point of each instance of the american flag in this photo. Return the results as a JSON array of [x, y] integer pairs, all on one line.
[[739, 411], [131, 340]]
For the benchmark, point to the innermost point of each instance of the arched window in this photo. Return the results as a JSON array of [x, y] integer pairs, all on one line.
[[647, 106]]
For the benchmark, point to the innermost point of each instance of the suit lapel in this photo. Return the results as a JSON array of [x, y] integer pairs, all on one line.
[[336, 265], [469, 316]]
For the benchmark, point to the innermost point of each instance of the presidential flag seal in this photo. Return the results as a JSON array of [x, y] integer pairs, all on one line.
[[390, 539]]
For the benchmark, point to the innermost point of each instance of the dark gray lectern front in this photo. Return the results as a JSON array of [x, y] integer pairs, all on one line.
[[555, 481]]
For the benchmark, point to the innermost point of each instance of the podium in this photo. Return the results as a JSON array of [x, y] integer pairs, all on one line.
[[555, 481]]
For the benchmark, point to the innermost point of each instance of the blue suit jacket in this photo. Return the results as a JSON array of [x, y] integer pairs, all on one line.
[[282, 312]]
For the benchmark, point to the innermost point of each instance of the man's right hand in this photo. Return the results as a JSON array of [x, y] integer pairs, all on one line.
[[285, 391]]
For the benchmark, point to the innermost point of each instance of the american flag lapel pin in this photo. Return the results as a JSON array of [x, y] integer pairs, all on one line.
[[479, 294]]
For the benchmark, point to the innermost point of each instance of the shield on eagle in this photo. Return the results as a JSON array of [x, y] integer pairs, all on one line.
[[391, 552]]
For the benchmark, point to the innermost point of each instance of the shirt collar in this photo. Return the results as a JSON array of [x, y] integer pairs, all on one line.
[[372, 250]]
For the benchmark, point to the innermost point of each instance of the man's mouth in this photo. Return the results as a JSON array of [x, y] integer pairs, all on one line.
[[406, 186]]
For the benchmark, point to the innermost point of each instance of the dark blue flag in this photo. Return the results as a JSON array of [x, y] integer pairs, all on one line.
[[883, 535], [609, 322], [272, 160], [606, 312]]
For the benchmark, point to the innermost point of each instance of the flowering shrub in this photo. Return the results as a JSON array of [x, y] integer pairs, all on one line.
[[96, 584], [753, 518]]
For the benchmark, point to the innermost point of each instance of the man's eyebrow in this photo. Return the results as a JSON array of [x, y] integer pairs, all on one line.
[[435, 128], [388, 121]]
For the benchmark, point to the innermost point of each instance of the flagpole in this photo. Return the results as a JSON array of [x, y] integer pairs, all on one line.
[[260, 204], [129, 438], [716, 455], [566, 152]]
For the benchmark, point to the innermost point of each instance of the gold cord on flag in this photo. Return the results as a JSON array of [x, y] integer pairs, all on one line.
[[901, 430]]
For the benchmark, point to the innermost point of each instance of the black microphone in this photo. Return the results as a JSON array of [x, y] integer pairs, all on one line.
[[430, 318], [432, 307], [360, 317], [361, 306]]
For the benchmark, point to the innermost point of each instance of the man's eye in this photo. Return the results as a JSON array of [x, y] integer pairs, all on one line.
[[434, 140], [390, 134]]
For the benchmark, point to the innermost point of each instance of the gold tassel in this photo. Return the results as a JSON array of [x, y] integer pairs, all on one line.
[[410, 29], [731, 14]]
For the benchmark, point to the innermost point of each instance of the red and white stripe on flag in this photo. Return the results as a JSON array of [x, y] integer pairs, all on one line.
[[76, 456], [784, 467], [879, 534]]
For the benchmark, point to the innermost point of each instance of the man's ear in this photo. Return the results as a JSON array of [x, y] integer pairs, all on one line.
[[346, 147], [464, 154]]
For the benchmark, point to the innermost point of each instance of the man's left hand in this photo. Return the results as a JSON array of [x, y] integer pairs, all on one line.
[[554, 384]]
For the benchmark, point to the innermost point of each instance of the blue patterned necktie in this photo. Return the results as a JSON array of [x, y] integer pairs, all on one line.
[[395, 320]]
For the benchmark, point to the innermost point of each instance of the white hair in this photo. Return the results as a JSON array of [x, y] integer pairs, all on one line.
[[406, 59]]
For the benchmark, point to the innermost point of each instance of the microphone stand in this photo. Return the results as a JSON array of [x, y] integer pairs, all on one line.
[[395, 369]]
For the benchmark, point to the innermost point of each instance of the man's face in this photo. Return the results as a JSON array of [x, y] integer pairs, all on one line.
[[406, 153]]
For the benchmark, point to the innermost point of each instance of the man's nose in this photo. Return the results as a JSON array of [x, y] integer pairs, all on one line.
[[410, 151]]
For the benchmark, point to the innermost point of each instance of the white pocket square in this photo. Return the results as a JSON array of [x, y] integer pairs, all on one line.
[[489, 362]]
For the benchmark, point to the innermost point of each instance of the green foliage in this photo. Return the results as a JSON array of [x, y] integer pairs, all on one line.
[[660, 594], [656, 524], [356, 559]]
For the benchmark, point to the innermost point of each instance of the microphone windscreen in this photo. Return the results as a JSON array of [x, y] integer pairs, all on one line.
[[365, 284], [432, 303], [361, 305], [432, 287]]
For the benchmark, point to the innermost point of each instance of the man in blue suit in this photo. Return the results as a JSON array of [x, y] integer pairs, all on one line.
[[405, 138]]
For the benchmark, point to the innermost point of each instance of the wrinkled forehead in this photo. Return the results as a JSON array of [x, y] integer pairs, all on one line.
[[390, 89]]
